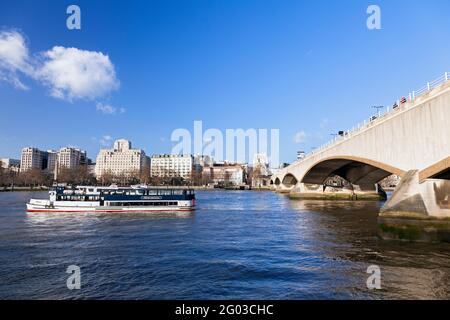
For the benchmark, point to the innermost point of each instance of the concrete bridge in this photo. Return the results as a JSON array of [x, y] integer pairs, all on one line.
[[411, 140]]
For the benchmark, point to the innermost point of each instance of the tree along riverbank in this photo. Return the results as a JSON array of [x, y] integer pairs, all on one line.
[[45, 188]]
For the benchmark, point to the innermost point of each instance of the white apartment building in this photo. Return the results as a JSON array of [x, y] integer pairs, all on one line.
[[65, 158], [122, 159], [70, 158], [171, 165], [32, 158], [51, 160]]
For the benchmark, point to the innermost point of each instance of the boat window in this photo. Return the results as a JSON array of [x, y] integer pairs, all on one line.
[[139, 204]]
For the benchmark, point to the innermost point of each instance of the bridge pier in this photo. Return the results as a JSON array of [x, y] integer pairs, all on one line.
[[320, 192], [417, 211], [283, 189]]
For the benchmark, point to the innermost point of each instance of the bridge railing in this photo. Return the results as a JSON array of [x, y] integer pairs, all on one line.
[[398, 105], [429, 86]]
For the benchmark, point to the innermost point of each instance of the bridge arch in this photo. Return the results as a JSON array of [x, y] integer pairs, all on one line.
[[277, 181], [289, 180], [356, 170], [440, 170]]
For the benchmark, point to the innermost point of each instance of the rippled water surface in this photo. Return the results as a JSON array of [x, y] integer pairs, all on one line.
[[236, 245]]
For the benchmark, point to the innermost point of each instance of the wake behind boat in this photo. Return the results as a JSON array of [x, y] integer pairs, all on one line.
[[114, 200]]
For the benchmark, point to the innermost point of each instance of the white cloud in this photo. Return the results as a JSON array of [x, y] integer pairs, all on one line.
[[13, 50], [14, 58], [109, 109], [105, 140], [72, 73], [300, 137]]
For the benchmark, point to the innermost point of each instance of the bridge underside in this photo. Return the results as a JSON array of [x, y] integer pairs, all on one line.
[[442, 175], [355, 172], [289, 181]]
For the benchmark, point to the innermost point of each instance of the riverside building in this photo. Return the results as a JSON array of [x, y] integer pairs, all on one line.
[[33, 158], [70, 158], [66, 158], [122, 159], [228, 173], [261, 163], [260, 171], [10, 164], [172, 166], [52, 160]]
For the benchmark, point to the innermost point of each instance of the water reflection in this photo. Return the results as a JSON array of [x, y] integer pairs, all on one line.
[[348, 232], [83, 217]]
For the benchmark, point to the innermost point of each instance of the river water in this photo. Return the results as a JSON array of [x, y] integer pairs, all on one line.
[[236, 245]]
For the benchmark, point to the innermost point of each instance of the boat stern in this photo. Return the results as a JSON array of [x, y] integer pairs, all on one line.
[[37, 204]]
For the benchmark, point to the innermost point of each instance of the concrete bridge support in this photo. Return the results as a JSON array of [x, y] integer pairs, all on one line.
[[324, 192], [417, 211]]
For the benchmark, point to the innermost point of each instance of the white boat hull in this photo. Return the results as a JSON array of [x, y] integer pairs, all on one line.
[[37, 205]]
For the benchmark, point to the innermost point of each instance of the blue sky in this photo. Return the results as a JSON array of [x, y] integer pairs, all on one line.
[[309, 67]]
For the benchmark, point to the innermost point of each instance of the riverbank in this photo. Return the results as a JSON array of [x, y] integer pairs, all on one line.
[[24, 189], [202, 188], [337, 196], [413, 227]]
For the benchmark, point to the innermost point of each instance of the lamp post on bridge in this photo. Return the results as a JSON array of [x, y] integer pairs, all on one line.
[[334, 135], [378, 110]]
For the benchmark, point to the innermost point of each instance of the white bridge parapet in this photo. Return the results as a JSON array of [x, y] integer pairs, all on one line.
[[401, 103]]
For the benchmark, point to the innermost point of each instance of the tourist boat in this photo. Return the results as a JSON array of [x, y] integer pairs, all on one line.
[[114, 200]]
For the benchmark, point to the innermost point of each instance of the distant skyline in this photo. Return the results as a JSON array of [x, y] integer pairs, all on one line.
[[309, 69]]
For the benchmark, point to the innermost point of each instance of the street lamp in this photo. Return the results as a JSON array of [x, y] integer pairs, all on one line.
[[378, 109]]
